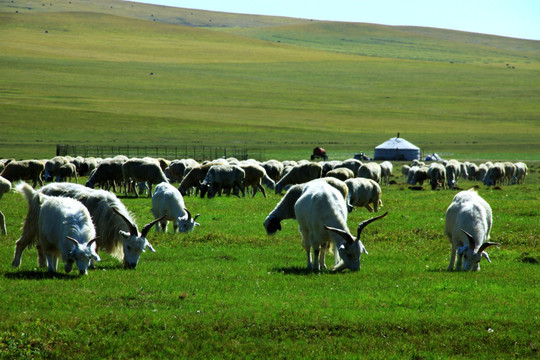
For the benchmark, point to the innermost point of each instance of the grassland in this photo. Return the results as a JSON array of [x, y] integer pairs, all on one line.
[[104, 72], [227, 290]]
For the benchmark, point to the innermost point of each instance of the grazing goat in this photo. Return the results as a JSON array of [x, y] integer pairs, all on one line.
[[468, 224], [168, 202], [321, 212], [117, 231], [65, 229]]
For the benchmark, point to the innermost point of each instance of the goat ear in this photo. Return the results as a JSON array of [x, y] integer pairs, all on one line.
[[471, 239], [96, 257], [147, 244], [125, 234], [485, 255]]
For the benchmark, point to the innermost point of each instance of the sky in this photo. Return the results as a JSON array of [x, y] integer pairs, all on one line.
[[512, 18]]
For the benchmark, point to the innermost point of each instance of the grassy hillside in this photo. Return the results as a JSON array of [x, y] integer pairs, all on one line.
[[100, 73]]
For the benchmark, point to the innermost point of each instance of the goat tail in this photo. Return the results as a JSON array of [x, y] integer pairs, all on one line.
[[26, 191]]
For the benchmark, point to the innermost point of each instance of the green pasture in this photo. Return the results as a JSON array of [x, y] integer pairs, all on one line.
[[228, 290], [100, 72]]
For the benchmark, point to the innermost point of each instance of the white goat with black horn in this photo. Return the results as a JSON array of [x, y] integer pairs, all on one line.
[[136, 239], [355, 246], [474, 256]]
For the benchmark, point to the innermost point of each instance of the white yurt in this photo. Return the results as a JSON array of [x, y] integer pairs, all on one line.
[[397, 149]]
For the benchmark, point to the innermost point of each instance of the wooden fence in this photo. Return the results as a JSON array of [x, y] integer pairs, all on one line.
[[199, 153]]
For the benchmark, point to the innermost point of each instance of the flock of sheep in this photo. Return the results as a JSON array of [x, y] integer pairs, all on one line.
[[72, 221]]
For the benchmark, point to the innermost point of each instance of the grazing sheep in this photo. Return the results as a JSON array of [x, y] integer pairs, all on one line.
[[468, 224], [352, 164], [107, 174], [117, 231], [167, 201], [65, 230], [299, 174], [363, 192], [405, 170], [386, 171], [67, 171], [509, 170], [437, 176], [495, 175], [418, 174], [481, 173], [177, 169], [273, 169], [255, 175], [138, 170], [52, 166], [520, 173], [285, 208], [370, 171], [322, 220], [194, 178], [341, 173], [24, 170], [89, 164], [223, 176], [472, 170], [452, 173]]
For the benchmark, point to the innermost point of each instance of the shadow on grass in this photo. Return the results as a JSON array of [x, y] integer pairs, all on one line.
[[296, 270], [38, 275]]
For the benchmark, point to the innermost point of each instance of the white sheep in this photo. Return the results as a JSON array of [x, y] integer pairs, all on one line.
[[321, 212], [223, 176], [468, 224], [370, 171], [341, 173], [363, 192], [167, 201], [117, 231], [520, 173], [386, 171], [147, 169], [452, 173], [299, 174], [437, 176], [24, 170], [495, 175], [65, 230]]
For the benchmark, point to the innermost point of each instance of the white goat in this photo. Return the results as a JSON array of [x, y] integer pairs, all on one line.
[[321, 207], [386, 171], [65, 230], [110, 217], [468, 224], [167, 201]]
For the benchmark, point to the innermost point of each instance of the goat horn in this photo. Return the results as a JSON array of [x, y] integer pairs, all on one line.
[[188, 214], [146, 228], [132, 228], [471, 240], [72, 240], [92, 241], [485, 245], [343, 233], [365, 223]]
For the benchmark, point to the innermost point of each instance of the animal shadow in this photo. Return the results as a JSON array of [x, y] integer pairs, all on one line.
[[297, 270], [38, 275]]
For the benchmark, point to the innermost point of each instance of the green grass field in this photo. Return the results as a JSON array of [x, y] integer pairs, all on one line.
[[80, 73], [118, 73], [228, 290]]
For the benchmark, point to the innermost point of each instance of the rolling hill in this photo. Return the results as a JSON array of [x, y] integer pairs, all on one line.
[[115, 72]]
